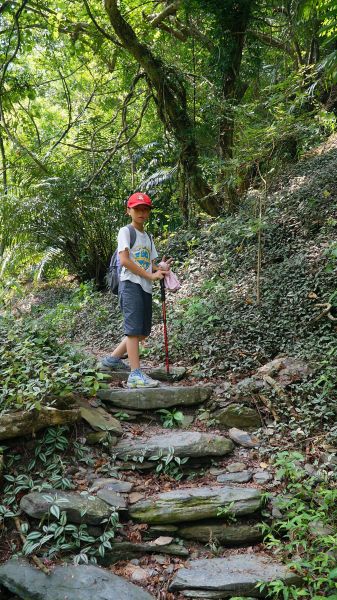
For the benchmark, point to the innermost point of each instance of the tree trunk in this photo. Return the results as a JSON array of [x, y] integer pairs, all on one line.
[[234, 27], [170, 97]]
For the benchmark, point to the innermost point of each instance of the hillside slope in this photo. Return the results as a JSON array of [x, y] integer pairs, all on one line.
[[215, 320]]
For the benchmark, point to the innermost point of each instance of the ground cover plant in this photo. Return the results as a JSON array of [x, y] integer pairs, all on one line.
[[37, 369]]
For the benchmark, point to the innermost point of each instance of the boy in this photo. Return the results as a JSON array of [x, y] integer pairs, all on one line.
[[135, 290]]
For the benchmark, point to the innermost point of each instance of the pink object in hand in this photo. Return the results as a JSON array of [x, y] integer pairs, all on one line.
[[170, 281]]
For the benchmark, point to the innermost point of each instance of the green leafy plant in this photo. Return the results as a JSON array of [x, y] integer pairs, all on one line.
[[57, 537], [304, 534], [37, 369], [226, 512], [169, 464], [171, 418]]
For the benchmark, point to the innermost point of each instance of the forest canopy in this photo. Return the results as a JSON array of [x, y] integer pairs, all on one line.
[[190, 100]]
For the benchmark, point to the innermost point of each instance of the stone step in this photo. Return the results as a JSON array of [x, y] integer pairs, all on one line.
[[152, 398], [194, 504], [26, 581], [184, 443], [129, 550], [232, 576], [78, 507], [175, 374], [237, 534]]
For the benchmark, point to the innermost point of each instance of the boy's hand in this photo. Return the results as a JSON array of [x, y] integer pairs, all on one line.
[[168, 261], [157, 275]]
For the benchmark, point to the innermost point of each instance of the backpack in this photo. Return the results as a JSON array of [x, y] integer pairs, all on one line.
[[115, 267]]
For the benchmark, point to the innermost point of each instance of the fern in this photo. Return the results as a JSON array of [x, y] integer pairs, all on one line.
[[50, 253], [158, 178]]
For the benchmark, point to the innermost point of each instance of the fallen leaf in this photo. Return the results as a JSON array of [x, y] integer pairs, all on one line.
[[263, 465]]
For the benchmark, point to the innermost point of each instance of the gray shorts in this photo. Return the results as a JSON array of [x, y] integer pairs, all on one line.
[[136, 306]]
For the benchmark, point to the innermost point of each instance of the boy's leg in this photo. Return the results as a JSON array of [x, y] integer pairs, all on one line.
[[132, 346], [121, 349]]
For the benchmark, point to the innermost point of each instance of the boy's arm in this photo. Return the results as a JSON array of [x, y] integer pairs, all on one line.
[[138, 270]]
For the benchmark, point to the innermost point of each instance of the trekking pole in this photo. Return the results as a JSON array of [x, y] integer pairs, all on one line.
[[163, 300]]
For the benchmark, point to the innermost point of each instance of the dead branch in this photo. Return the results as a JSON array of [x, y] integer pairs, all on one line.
[[34, 558], [118, 145], [269, 406], [171, 9], [324, 313]]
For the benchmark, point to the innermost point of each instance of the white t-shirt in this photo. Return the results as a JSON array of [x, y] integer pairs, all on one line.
[[140, 253]]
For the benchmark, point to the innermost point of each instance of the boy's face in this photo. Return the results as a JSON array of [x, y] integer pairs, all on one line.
[[139, 214]]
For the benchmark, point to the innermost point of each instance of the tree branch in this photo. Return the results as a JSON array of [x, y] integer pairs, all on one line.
[[106, 34]]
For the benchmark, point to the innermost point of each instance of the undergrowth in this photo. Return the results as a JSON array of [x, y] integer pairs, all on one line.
[[304, 535]]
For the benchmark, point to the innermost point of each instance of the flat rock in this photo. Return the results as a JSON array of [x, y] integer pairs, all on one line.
[[262, 477], [113, 484], [185, 443], [228, 535], [100, 420], [37, 505], [242, 438], [193, 504], [234, 467], [240, 477], [70, 582], [112, 498], [161, 397], [232, 576], [238, 415]]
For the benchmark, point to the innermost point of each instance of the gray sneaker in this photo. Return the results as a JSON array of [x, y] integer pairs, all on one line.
[[115, 364], [138, 379]]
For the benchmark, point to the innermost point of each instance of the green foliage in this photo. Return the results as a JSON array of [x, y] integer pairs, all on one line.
[[226, 512], [171, 418], [169, 464], [304, 534], [58, 537], [37, 369]]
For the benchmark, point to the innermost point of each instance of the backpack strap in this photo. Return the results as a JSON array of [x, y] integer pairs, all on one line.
[[133, 235]]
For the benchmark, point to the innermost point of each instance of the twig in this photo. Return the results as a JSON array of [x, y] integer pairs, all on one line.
[[325, 312], [34, 558], [269, 406]]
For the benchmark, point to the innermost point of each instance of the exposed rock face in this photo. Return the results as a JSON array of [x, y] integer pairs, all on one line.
[[233, 576], [192, 504], [25, 422], [238, 415], [236, 534], [151, 398], [285, 370], [184, 443], [83, 582], [79, 508]]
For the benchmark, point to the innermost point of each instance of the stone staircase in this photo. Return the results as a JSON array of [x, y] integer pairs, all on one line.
[[215, 512]]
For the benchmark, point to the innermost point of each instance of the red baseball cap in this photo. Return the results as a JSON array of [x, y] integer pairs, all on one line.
[[137, 199]]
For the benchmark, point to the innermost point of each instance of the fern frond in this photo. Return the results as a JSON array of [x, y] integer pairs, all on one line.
[[158, 178], [50, 253]]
